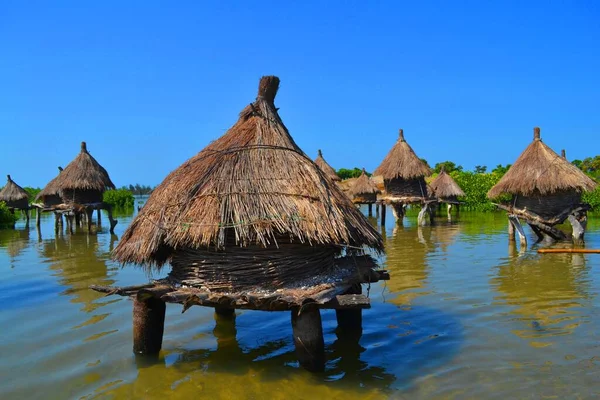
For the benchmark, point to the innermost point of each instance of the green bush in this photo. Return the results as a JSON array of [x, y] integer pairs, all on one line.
[[593, 199], [119, 198], [7, 219], [476, 185], [32, 192], [345, 173]]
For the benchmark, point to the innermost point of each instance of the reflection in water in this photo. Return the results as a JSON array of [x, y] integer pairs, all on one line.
[[14, 240], [546, 292], [78, 262]]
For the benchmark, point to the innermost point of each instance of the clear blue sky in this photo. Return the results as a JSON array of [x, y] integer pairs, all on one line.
[[148, 84]]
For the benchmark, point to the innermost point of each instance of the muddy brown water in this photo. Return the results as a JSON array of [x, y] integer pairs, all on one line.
[[464, 316]]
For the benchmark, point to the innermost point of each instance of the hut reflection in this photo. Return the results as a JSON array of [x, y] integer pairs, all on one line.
[[79, 261], [14, 241], [545, 291]]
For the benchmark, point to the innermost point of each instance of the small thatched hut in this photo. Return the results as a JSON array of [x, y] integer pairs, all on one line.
[[250, 222], [84, 180], [364, 190], [14, 195], [326, 168], [404, 173], [544, 186], [49, 195], [445, 189]]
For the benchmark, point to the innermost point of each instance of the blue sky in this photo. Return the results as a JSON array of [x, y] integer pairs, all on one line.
[[148, 84]]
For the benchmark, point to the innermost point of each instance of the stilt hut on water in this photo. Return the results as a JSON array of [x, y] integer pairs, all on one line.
[[545, 190], [49, 195], [15, 197], [403, 178], [364, 191], [326, 168], [251, 222], [446, 190]]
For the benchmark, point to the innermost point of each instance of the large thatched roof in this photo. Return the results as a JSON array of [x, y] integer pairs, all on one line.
[[12, 192], [363, 185], [443, 186], [253, 182], [541, 171], [51, 189], [328, 169], [84, 173], [402, 162]]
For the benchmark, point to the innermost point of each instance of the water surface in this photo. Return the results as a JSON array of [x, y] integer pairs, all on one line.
[[464, 316]]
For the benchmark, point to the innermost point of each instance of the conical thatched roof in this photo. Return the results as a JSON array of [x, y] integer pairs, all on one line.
[[247, 187], [443, 186], [363, 185], [402, 162], [52, 188], [12, 192], [84, 173], [328, 169], [539, 170]]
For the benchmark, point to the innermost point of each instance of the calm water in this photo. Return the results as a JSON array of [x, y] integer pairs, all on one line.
[[463, 316]]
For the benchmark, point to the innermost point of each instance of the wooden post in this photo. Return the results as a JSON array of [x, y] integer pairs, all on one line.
[[350, 319], [422, 221], [225, 312], [511, 231], [370, 210], [377, 210], [383, 214], [308, 337], [519, 229], [77, 219], [449, 211], [148, 324], [89, 214], [26, 216], [398, 211], [38, 216], [579, 224], [113, 222], [57, 217], [99, 215]]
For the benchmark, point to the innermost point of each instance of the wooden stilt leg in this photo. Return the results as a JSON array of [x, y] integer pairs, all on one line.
[[519, 229], [148, 325], [579, 224], [449, 212], [377, 210], [113, 222], [350, 320], [370, 210], [308, 338], [382, 214], [538, 233], [27, 216], [99, 215], [511, 231], [56, 221], [422, 220], [225, 312], [398, 211], [77, 219], [89, 213], [38, 216]]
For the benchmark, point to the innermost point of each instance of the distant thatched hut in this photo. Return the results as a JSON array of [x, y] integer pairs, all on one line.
[[84, 180], [49, 195], [403, 178], [364, 190], [248, 215], [445, 189], [14, 195], [544, 186], [326, 168]]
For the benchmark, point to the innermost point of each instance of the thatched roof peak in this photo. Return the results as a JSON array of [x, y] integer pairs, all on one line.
[[248, 187], [12, 192], [444, 186], [536, 133], [363, 185], [563, 154], [402, 162], [326, 168], [84, 173], [540, 171]]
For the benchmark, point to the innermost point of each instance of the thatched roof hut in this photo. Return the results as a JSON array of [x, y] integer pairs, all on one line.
[[445, 189], [14, 195], [364, 191], [541, 181], [251, 209], [84, 180], [403, 172], [49, 195], [328, 169]]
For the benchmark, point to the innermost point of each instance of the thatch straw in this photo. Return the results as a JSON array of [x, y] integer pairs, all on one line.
[[84, 173], [402, 162], [328, 169], [51, 189], [251, 184], [13, 193], [540, 171], [363, 185], [444, 187]]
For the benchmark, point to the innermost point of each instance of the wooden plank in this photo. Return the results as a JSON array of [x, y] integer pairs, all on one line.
[[347, 301], [586, 251]]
